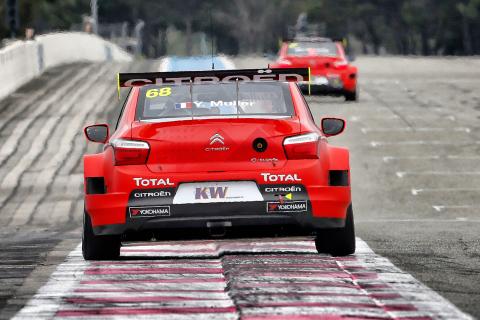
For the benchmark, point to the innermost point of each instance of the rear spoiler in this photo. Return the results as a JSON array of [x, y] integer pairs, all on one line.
[[212, 76]]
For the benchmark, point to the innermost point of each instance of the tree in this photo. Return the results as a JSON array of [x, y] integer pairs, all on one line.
[[256, 24], [253, 26], [469, 11]]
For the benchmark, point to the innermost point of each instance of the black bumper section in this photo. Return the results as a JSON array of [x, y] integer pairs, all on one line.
[[294, 223], [285, 208], [323, 89]]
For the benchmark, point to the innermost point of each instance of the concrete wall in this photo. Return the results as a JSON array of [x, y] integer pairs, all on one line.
[[24, 60]]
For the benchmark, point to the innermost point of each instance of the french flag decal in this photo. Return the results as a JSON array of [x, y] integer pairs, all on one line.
[[183, 105]]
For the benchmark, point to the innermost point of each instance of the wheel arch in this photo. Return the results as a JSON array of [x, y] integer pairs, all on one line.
[[93, 165], [93, 174], [339, 158]]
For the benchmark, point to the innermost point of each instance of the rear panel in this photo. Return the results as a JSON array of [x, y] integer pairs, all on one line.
[[214, 128], [215, 145]]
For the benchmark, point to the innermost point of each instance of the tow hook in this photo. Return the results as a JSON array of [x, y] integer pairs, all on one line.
[[218, 228]]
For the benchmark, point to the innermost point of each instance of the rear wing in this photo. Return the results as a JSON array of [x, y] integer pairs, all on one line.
[[212, 76]]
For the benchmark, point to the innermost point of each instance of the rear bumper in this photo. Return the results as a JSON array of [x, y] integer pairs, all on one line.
[[307, 224], [337, 85], [323, 89], [129, 206], [325, 207]]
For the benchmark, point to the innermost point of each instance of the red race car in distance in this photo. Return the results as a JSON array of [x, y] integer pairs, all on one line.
[[216, 153], [331, 73]]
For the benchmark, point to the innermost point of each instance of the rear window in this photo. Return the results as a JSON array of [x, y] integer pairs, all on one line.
[[326, 48], [214, 100]]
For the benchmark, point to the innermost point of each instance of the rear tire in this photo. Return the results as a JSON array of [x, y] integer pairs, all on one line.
[[351, 95], [98, 247], [338, 241]]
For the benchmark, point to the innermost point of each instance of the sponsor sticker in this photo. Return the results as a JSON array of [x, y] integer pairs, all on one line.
[[284, 197], [160, 92], [183, 105], [290, 206], [151, 194], [225, 76], [268, 177], [283, 189], [145, 212], [213, 192], [222, 103], [152, 182]]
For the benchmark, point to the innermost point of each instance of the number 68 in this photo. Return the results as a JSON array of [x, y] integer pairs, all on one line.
[[163, 92]]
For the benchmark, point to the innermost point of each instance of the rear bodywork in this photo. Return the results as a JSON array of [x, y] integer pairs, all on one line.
[[203, 173], [331, 74]]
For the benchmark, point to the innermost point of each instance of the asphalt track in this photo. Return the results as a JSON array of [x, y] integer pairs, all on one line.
[[415, 151]]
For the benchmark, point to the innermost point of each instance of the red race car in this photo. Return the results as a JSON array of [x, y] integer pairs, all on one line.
[[216, 153], [331, 73]]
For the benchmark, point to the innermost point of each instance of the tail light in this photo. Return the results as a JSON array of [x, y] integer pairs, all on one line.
[[129, 152], [304, 146]]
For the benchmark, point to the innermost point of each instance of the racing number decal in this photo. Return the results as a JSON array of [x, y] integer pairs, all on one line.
[[163, 92]]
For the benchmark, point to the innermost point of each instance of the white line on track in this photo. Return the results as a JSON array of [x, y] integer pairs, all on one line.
[[11, 143], [461, 157], [410, 129], [422, 142], [402, 174], [390, 117], [33, 98], [65, 146], [416, 192], [388, 159], [440, 208], [266, 280], [459, 219]]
